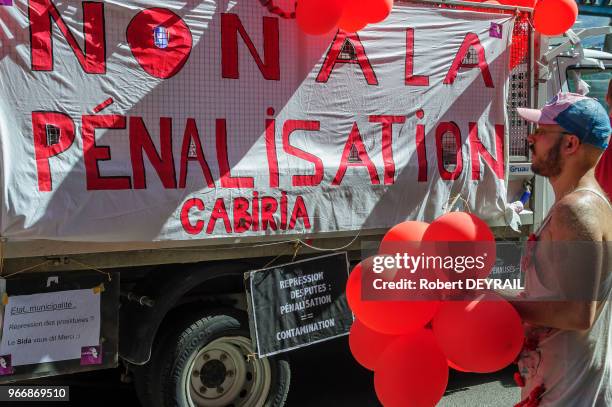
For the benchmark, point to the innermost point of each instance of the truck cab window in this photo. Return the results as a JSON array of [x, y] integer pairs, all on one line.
[[596, 79]]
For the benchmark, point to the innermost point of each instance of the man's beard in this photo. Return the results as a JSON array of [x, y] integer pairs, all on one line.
[[551, 166]]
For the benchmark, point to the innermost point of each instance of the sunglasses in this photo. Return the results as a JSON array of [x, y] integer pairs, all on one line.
[[540, 131]]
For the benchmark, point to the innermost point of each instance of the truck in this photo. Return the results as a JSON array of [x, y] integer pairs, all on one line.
[[159, 156]]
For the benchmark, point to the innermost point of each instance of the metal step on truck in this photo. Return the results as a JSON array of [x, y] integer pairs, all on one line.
[[185, 185]]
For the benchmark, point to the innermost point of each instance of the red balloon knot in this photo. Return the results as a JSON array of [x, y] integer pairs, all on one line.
[[531, 344], [534, 398], [518, 379]]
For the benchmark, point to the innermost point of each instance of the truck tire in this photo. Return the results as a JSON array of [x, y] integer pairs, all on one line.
[[207, 361]]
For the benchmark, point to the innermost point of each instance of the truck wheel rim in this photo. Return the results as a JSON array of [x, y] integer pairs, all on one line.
[[222, 374]]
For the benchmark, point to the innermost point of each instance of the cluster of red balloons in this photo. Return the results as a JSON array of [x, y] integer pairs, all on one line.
[[316, 17], [411, 344], [550, 17]]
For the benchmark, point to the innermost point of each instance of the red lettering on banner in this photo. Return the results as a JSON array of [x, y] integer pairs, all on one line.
[[192, 137], [421, 149], [140, 141], [470, 41], [192, 229], [255, 211], [299, 211], [242, 218], [478, 150], [442, 129], [103, 105], [44, 123], [355, 140], [268, 209], [410, 78], [93, 153], [271, 152], [306, 125], [41, 12], [219, 212], [333, 57], [283, 209], [227, 181], [231, 26], [387, 143], [243, 221], [159, 60]]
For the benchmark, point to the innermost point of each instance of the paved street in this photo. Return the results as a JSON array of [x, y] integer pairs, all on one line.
[[313, 377], [324, 375]]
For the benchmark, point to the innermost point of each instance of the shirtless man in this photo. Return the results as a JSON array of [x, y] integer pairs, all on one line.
[[567, 303]]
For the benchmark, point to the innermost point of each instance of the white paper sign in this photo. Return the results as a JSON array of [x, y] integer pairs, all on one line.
[[50, 327]]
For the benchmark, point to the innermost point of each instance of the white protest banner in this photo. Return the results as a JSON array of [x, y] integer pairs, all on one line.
[[50, 327], [175, 120]]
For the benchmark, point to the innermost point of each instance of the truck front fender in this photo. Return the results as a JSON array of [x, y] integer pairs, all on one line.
[[138, 324]]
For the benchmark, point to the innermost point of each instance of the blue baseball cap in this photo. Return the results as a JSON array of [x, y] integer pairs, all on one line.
[[577, 114]]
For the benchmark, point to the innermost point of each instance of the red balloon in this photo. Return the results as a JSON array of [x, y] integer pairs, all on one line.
[[388, 317], [464, 227], [458, 227], [554, 17], [482, 336], [367, 345], [378, 10], [351, 27], [355, 15], [316, 17], [411, 372], [409, 231]]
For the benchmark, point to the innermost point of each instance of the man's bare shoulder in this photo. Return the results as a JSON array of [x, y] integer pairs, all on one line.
[[581, 216]]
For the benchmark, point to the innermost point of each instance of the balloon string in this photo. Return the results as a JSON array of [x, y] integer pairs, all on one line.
[[529, 19], [453, 202], [276, 10]]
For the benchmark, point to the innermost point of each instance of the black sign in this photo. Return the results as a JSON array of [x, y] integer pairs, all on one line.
[[508, 261], [298, 304]]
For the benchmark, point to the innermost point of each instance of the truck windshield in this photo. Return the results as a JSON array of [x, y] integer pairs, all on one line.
[[588, 21], [596, 79]]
